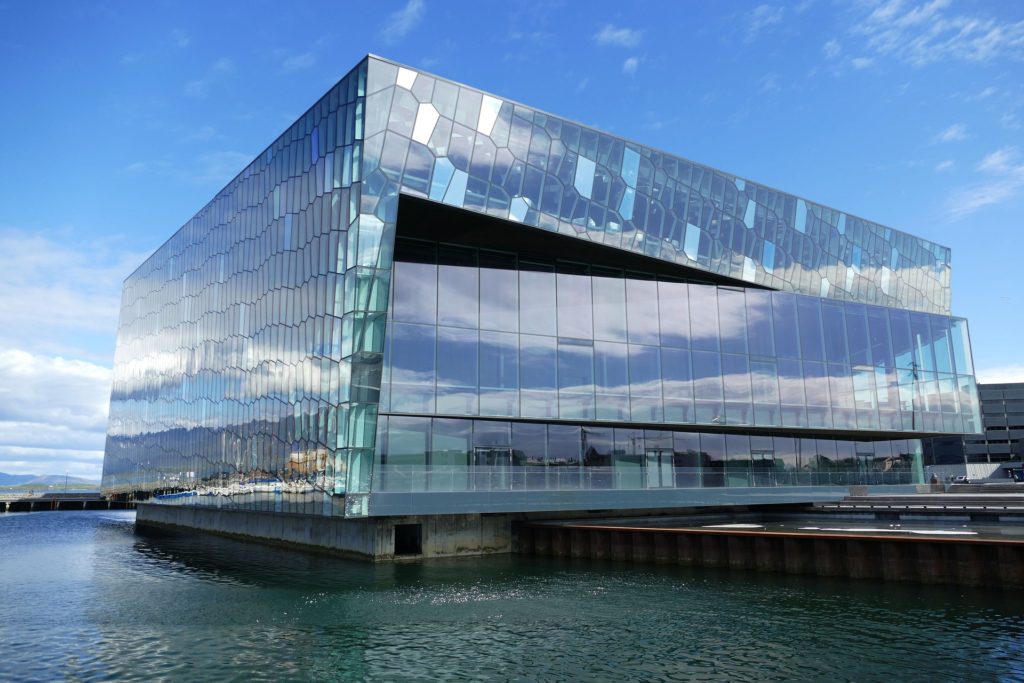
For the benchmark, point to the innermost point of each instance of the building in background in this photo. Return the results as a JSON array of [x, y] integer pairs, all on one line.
[[423, 303], [996, 453]]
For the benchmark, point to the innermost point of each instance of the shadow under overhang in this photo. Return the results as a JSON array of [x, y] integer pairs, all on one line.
[[425, 219], [757, 430]]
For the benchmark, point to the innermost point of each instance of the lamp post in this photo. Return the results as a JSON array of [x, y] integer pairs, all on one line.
[[913, 395]]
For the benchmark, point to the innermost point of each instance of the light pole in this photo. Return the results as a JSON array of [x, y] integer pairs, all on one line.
[[913, 395]]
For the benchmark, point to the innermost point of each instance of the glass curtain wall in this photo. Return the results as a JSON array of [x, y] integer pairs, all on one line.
[[249, 369], [473, 332], [431, 138], [456, 454], [241, 373]]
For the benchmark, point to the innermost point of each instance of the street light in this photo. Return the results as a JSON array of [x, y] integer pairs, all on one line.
[[913, 404]]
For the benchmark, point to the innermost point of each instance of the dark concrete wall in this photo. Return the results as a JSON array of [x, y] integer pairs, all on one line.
[[371, 538], [938, 560]]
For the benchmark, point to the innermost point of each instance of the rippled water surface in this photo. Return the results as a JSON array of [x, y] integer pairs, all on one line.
[[85, 597]]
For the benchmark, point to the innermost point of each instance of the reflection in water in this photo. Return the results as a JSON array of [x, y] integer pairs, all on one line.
[[87, 598]]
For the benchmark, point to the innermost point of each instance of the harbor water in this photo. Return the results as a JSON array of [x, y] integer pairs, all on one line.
[[86, 597]]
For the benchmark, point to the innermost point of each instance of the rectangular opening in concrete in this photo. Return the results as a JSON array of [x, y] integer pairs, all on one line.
[[408, 539]]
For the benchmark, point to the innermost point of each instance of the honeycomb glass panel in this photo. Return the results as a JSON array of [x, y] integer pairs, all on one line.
[[290, 345]]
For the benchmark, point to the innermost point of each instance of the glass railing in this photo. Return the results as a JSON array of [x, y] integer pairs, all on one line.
[[454, 478]]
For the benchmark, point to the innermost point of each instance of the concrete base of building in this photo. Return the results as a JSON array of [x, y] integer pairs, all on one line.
[[373, 538]]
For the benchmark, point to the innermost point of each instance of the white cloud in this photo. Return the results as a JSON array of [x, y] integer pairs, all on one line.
[[861, 62], [401, 22], [769, 84], [296, 62], [197, 88], [618, 35], [761, 18], [970, 199], [87, 464], [946, 165], [59, 300], [831, 49], [926, 33], [216, 73], [1000, 375], [179, 39], [146, 167], [999, 161], [215, 167], [629, 66], [984, 94], [954, 133], [52, 390], [1004, 182], [659, 123], [219, 168], [53, 414], [535, 37], [201, 134], [54, 292]]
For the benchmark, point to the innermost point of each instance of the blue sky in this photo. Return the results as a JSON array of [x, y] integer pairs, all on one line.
[[122, 119]]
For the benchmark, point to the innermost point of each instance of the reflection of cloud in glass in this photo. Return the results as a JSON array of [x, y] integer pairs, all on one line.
[[923, 285], [411, 376], [458, 298], [181, 364]]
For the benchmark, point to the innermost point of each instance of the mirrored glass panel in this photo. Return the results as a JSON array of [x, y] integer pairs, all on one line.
[[375, 304]]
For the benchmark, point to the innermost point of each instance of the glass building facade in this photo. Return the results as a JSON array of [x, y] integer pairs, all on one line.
[[1002, 431], [422, 293]]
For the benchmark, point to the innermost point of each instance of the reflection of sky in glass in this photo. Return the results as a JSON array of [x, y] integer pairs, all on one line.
[[257, 329], [734, 336], [668, 207]]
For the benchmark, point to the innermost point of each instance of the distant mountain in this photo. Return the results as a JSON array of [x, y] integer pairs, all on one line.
[[54, 479], [15, 479], [45, 480]]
